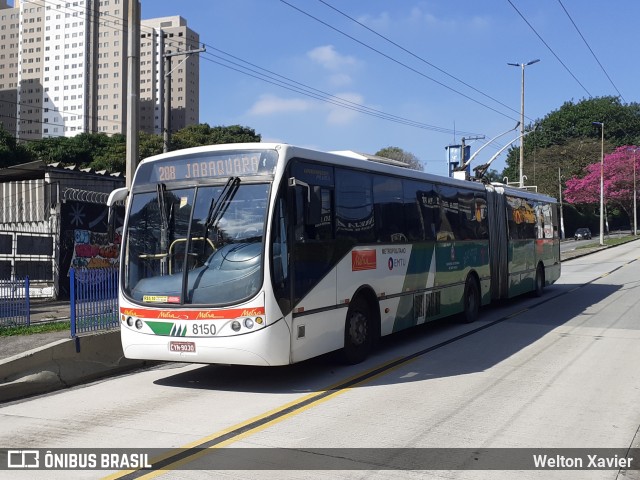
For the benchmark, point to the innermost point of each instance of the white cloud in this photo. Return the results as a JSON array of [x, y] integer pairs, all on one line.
[[340, 80], [343, 116], [333, 114], [330, 59], [422, 15], [382, 22], [270, 104]]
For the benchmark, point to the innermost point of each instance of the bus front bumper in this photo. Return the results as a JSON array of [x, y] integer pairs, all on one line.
[[268, 346]]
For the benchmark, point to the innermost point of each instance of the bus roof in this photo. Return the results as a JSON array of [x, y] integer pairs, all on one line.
[[352, 159]]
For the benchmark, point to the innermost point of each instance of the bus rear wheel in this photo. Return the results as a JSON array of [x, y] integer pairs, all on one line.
[[471, 301], [358, 332]]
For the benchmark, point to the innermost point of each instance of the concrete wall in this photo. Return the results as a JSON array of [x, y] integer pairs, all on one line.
[[63, 364]]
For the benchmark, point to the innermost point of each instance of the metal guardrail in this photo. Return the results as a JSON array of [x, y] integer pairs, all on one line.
[[14, 303], [94, 299]]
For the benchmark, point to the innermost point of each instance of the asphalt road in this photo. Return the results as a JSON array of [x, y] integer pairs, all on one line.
[[553, 372]]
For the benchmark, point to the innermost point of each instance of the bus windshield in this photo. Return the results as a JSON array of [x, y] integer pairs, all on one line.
[[199, 245]]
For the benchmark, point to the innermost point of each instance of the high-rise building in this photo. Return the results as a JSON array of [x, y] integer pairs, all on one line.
[[63, 69], [9, 40], [162, 36]]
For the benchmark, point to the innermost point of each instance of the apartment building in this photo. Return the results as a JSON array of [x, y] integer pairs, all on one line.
[[9, 40], [158, 37], [63, 69]]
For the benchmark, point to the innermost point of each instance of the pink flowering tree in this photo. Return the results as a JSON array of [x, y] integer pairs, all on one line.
[[618, 180]]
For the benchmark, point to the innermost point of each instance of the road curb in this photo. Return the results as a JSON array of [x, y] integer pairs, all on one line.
[[62, 364]]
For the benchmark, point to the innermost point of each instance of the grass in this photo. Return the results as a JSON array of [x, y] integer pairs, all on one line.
[[611, 242], [9, 331]]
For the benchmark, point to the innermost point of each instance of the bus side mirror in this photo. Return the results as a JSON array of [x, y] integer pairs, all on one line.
[[312, 201], [313, 208], [116, 196]]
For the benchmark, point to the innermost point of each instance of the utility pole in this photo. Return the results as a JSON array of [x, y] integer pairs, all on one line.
[[561, 217], [167, 91], [133, 89], [522, 65]]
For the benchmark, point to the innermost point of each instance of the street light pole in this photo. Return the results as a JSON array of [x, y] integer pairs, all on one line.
[[601, 124], [561, 217], [522, 65], [635, 215]]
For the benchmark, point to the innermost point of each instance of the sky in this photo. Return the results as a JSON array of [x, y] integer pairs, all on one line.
[[427, 72]]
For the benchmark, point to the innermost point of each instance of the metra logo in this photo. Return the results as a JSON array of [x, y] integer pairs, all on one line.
[[363, 260], [209, 315], [127, 311], [251, 313], [172, 315]]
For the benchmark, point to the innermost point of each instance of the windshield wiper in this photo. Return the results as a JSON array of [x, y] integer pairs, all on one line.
[[161, 190], [219, 206]]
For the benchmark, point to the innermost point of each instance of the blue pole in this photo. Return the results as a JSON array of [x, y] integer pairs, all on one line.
[[72, 295], [27, 299]]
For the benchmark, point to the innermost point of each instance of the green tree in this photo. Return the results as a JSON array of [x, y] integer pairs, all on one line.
[[397, 153], [108, 152], [11, 152], [149, 145], [493, 175], [111, 155], [567, 138], [203, 134]]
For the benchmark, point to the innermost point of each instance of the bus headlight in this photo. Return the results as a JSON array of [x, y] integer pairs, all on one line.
[[138, 324], [235, 326], [248, 323], [130, 321]]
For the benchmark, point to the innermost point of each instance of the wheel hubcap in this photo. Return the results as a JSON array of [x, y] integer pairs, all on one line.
[[358, 328]]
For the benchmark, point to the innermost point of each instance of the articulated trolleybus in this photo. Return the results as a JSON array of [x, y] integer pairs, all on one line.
[[269, 254]]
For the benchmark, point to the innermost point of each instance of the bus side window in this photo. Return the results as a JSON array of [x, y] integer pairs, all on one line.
[[280, 256], [388, 209]]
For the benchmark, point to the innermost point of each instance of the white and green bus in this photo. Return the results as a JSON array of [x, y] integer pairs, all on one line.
[[270, 254]]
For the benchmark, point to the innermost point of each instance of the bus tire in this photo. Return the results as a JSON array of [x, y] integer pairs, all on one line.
[[358, 332], [539, 281], [471, 299]]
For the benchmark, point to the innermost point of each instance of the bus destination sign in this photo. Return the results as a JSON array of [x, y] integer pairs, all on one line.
[[212, 165]]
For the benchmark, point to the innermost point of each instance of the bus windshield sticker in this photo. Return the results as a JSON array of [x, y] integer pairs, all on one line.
[[161, 299]]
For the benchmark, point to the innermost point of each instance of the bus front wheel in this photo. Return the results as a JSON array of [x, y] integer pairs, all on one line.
[[358, 332], [471, 301]]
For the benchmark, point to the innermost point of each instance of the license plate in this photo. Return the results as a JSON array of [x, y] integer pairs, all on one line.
[[182, 347]]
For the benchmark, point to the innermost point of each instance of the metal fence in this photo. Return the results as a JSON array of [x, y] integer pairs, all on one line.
[[14, 302], [94, 299]]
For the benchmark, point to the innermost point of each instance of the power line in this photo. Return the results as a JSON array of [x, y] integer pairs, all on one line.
[[287, 84], [592, 52], [396, 60], [306, 90], [418, 57], [548, 47]]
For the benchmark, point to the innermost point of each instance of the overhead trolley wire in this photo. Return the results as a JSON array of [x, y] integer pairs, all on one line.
[[418, 57], [298, 87], [408, 67], [592, 52], [285, 83], [548, 47]]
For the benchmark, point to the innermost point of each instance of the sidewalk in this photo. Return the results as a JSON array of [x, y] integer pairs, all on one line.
[[42, 310], [45, 310], [44, 362]]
